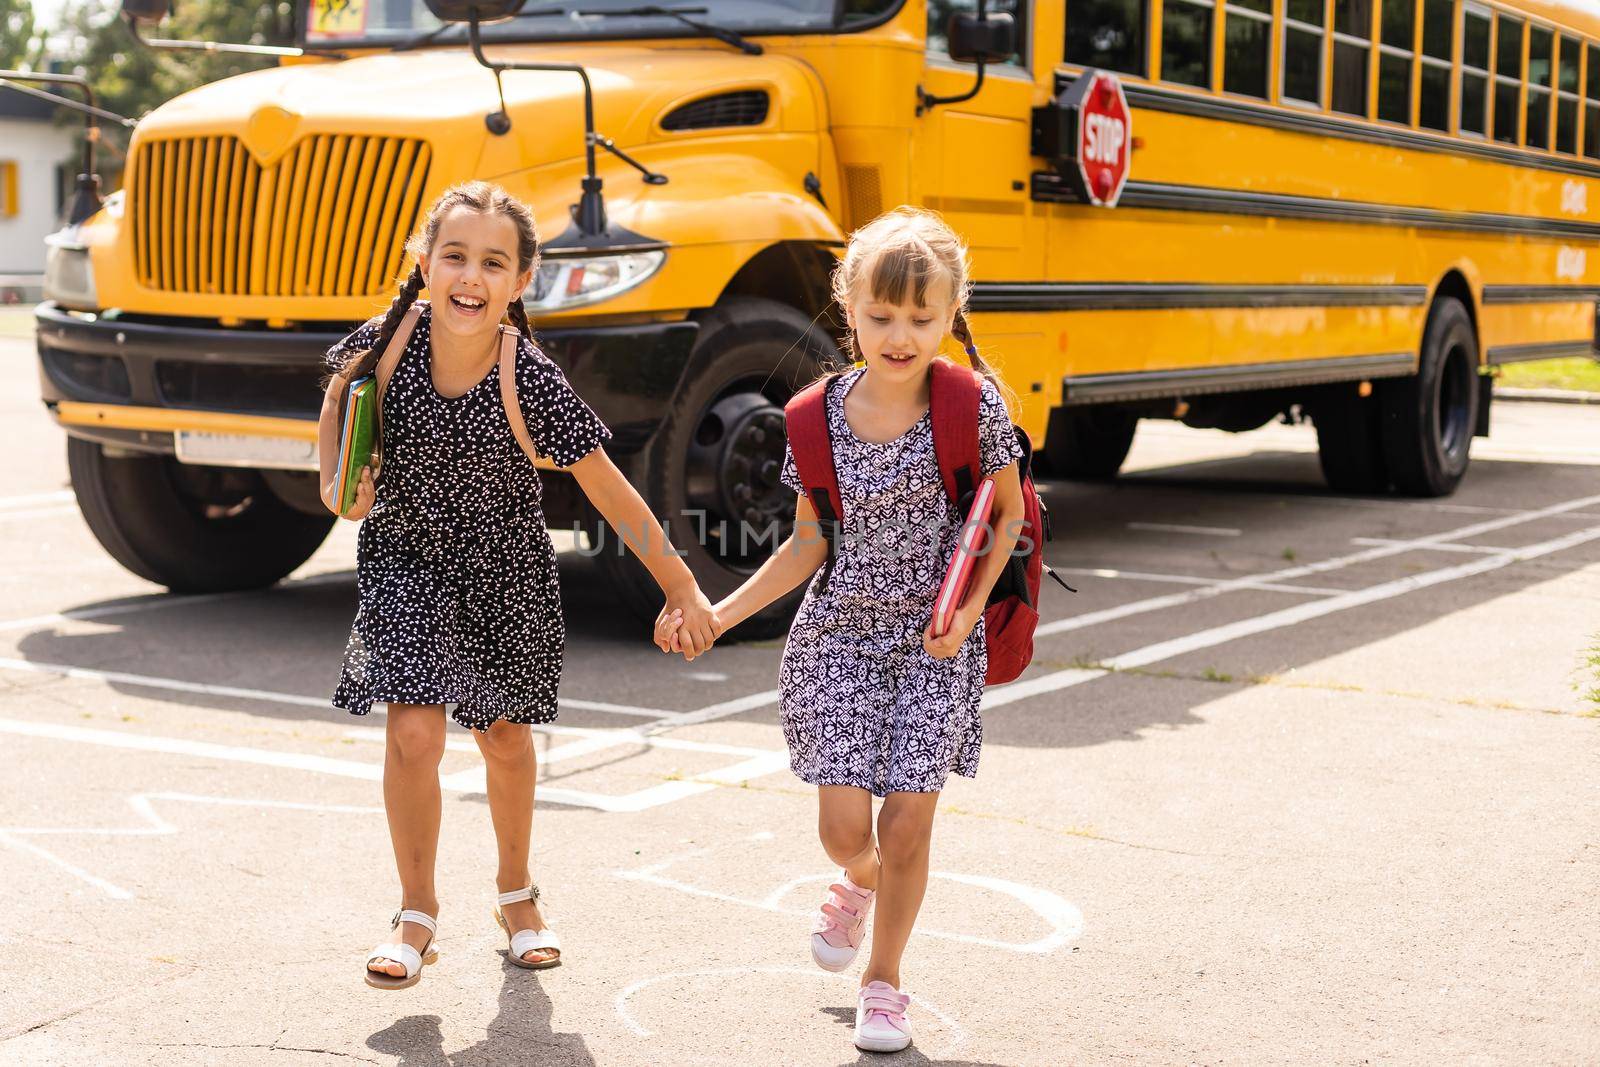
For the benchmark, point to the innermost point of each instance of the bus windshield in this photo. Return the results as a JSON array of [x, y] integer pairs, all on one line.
[[401, 23]]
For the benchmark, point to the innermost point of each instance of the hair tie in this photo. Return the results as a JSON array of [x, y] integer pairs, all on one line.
[[972, 350]]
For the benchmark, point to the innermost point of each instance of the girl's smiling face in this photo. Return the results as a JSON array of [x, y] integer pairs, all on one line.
[[899, 339], [471, 271]]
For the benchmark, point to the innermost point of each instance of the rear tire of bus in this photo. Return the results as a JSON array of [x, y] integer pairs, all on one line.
[[1088, 444], [191, 529], [1350, 440], [719, 452], [1428, 419]]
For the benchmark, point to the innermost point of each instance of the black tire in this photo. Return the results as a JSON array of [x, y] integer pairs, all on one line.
[[718, 454], [1088, 444], [1350, 440], [1428, 419], [191, 529]]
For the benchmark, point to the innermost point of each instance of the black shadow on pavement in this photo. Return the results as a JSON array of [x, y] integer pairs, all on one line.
[[520, 1033], [292, 639]]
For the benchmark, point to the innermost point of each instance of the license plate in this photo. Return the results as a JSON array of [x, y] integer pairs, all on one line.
[[245, 450]]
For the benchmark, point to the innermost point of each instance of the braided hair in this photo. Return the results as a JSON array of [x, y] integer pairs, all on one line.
[[484, 198]]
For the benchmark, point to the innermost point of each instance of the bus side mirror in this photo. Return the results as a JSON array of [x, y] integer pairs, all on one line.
[[981, 38], [145, 10], [469, 10]]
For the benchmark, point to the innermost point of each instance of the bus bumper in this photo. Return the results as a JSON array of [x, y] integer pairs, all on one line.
[[137, 384]]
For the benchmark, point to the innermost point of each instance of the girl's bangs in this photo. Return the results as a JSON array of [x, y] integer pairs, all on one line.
[[903, 270]]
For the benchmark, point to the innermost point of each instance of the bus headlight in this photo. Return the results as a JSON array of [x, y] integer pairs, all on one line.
[[567, 283], [68, 275]]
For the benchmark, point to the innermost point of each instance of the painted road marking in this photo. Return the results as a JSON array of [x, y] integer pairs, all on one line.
[[1064, 919], [29, 500], [1469, 549], [958, 1034], [154, 826], [159, 601], [1173, 600], [472, 780], [1202, 531], [1185, 579], [178, 685], [1164, 650]]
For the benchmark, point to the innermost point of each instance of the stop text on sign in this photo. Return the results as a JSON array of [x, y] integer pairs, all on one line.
[[1104, 137]]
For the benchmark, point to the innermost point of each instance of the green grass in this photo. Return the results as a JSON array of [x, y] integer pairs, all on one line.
[[16, 321], [1579, 372], [1591, 687]]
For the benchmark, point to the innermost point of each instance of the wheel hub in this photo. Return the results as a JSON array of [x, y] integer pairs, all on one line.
[[734, 463]]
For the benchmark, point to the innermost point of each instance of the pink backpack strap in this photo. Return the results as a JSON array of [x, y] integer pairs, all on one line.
[[397, 347], [509, 341], [954, 393], [806, 423]]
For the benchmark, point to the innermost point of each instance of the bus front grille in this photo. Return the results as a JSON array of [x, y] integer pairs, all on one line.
[[329, 217]]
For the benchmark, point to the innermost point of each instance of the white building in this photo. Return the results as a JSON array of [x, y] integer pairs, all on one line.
[[36, 164]]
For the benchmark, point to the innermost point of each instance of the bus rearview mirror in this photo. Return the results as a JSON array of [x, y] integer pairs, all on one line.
[[468, 10], [989, 39], [145, 10]]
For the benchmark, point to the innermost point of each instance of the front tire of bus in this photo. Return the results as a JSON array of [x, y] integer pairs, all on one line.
[[714, 463], [1429, 418], [191, 529]]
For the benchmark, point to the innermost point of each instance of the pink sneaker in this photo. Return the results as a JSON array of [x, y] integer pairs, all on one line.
[[881, 1022], [841, 924]]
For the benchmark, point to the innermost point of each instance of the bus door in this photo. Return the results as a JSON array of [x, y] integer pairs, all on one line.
[[972, 164]]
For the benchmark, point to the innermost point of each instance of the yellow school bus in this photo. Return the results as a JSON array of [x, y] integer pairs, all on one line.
[[1344, 210]]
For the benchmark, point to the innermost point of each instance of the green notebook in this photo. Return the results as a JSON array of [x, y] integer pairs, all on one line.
[[358, 431]]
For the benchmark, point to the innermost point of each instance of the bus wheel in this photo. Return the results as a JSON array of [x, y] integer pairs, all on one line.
[[1089, 443], [1428, 419], [191, 529], [712, 469], [1349, 440]]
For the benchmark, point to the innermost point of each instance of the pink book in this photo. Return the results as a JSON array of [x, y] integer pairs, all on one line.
[[958, 578]]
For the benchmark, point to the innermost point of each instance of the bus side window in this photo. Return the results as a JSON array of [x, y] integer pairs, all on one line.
[[1591, 105], [1433, 110], [1540, 43], [1302, 51], [1474, 71], [1567, 96], [1352, 36], [1186, 42], [1108, 35], [1507, 77], [939, 12], [1395, 42], [1248, 31]]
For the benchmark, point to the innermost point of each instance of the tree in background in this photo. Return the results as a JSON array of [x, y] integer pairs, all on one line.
[[19, 43], [132, 80]]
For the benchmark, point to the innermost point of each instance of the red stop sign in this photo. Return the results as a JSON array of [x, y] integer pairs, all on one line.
[[1102, 147]]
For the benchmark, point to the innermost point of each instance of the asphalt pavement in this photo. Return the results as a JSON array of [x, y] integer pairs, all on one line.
[[1296, 777]]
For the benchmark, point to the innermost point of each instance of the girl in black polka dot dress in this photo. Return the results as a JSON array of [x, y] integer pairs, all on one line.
[[459, 600]]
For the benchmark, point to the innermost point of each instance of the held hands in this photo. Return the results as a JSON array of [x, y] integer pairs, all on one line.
[[365, 492], [966, 617], [687, 624]]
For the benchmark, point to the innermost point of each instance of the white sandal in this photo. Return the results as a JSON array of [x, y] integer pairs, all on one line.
[[398, 951], [526, 941]]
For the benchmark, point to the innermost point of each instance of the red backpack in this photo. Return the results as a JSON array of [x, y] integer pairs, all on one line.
[[1012, 613]]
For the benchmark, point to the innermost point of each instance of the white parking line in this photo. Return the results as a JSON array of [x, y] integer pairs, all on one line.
[[1487, 550], [1203, 531], [1174, 600], [1164, 650], [33, 500], [159, 601], [38, 513], [1184, 579]]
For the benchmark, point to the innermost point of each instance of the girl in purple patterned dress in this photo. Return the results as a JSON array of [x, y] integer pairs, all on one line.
[[873, 704]]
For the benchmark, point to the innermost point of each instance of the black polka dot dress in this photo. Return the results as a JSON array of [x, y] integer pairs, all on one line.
[[861, 702], [460, 602]]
